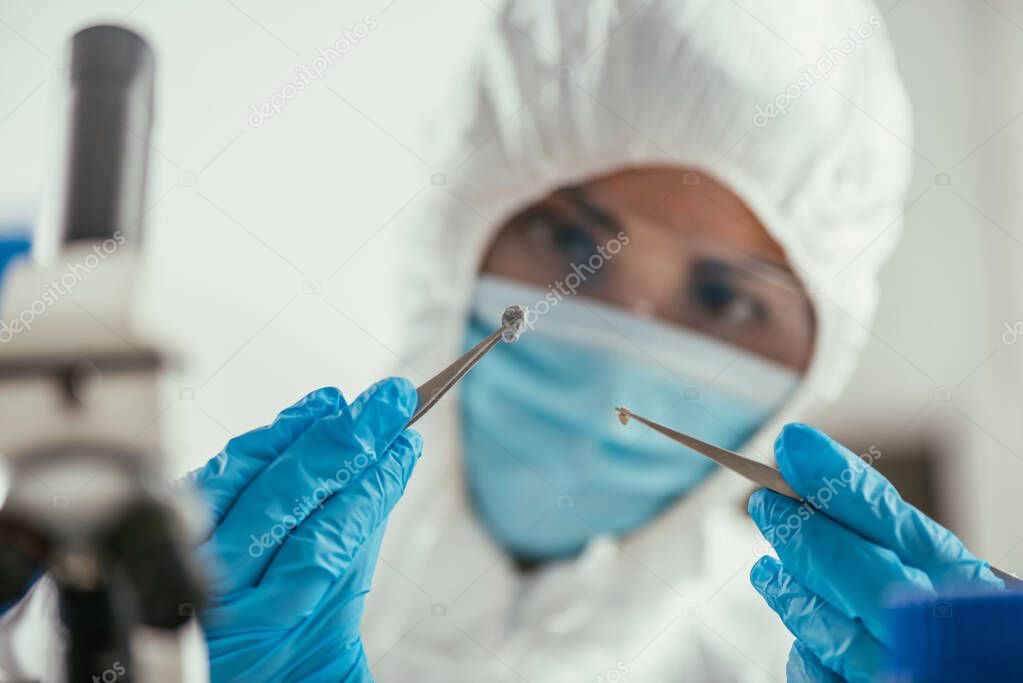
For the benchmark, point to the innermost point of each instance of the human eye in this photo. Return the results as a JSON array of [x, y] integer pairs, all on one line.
[[564, 238], [720, 295]]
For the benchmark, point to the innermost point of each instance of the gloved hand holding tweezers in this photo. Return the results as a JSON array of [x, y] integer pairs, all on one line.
[[298, 511]]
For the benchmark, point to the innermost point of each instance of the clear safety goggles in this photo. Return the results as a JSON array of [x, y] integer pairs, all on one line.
[[736, 296]]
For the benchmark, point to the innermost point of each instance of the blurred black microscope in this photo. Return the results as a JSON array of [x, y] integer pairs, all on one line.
[[83, 498]]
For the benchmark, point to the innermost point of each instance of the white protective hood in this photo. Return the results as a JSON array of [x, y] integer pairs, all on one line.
[[560, 92]]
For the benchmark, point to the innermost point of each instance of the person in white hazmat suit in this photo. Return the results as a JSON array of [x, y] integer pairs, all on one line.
[[693, 198], [729, 147]]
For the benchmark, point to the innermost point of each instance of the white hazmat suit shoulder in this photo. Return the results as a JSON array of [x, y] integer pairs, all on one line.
[[796, 107]]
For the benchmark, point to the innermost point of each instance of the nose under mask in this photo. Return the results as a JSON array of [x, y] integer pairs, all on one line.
[[548, 464]]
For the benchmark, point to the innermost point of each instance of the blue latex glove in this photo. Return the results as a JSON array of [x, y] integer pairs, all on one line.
[[839, 563], [299, 509], [804, 667]]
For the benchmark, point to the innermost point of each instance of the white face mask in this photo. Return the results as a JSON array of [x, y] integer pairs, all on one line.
[[548, 464]]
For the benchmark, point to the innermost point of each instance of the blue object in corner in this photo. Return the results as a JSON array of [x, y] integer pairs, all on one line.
[[955, 639], [11, 247]]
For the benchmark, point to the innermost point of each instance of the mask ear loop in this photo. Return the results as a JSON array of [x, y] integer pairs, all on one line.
[[513, 323]]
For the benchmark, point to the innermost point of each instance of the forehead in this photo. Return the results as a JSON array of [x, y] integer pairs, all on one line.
[[682, 203]]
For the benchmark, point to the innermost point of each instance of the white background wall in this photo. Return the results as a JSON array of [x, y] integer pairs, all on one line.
[[954, 279], [303, 198]]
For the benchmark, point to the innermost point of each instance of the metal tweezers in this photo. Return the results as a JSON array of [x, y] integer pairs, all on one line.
[[432, 390], [756, 472], [513, 322]]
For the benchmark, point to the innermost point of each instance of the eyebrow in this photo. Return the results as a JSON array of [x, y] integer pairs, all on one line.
[[597, 215]]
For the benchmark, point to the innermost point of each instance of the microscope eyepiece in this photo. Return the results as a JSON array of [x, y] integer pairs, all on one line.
[[110, 114]]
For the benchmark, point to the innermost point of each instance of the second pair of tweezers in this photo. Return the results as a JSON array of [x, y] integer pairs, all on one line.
[[756, 472]]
